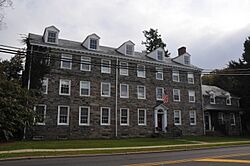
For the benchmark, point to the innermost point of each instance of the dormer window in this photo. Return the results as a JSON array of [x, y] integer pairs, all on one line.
[[51, 37], [160, 55], [93, 44], [228, 99], [129, 50], [186, 60], [212, 98]]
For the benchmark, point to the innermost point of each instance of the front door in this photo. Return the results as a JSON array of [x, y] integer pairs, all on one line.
[[207, 121], [160, 122]]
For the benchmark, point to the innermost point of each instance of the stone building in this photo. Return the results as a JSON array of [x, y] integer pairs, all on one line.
[[222, 113], [94, 91]]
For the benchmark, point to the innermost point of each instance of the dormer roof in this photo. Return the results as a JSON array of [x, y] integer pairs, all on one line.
[[51, 28], [122, 49], [86, 42], [154, 54]]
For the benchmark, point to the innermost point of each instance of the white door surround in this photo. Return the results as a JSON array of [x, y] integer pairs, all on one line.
[[160, 118]]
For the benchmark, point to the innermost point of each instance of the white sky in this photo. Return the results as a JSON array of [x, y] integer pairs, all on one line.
[[212, 30]]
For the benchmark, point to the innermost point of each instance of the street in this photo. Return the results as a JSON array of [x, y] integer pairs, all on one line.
[[221, 156]]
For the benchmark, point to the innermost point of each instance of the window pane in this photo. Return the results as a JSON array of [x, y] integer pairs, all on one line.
[[85, 63], [124, 116], [85, 88], [129, 49], [63, 117], [40, 111], [93, 44], [66, 61], [84, 115], [160, 55], [105, 89], [124, 90]]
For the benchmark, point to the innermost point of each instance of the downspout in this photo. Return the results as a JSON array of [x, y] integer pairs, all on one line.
[[116, 96], [202, 108]]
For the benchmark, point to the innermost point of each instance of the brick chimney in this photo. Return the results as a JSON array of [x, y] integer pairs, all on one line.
[[181, 51]]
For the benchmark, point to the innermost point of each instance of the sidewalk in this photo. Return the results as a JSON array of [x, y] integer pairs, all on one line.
[[127, 148]]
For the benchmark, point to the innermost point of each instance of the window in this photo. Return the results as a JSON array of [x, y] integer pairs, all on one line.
[[176, 95], [124, 68], [142, 117], [186, 60], [84, 115], [66, 61], [41, 114], [159, 93], [212, 98], [105, 116], [141, 92], [228, 99], [160, 55], [106, 66], [141, 72], [105, 89], [84, 88], [85, 63], [192, 117], [177, 117], [124, 91], [65, 86], [175, 75], [93, 44], [51, 37], [159, 73], [129, 50], [191, 96], [45, 86], [63, 115], [124, 117], [232, 119], [190, 78], [221, 117]]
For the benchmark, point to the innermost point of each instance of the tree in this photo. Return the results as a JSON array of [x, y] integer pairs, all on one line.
[[154, 41], [4, 4]]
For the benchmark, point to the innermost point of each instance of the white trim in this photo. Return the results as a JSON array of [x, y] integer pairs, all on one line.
[[124, 124], [156, 90], [190, 76], [67, 58], [177, 74], [109, 89], [60, 84], [123, 71], [58, 115], [81, 88], [101, 123], [93, 39], [179, 116], [145, 117], [126, 49], [157, 55], [85, 61], [127, 96], [105, 69], [46, 83], [144, 95], [143, 75], [44, 113], [80, 113], [159, 70], [194, 113], [232, 124], [228, 98], [179, 94], [191, 93]]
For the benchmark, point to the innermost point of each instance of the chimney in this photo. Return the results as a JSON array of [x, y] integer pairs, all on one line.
[[181, 51]]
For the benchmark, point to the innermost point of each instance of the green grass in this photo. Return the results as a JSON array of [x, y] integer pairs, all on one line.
[[215, 138]]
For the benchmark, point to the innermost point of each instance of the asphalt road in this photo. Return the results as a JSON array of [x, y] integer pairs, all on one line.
[[221, 156]]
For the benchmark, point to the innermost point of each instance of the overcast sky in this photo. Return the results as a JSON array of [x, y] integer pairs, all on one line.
[[212, 30]]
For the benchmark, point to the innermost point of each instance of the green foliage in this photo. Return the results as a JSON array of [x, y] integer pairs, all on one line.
[[154, 41]]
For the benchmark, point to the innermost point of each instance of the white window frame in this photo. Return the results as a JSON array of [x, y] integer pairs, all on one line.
[[179, 116], [212, 96], [58, 115], [124, 69], [192, 113], [105, 69], [44, 113], [190, 76], [141, 73], [124, 124], [138, 92], [228, 100], [127, 96], [221, 117], [88, 82], [93, 39], [64, 94], [66, 58], [156, 93], [102, 83], [80, 114], [158, 55], [127, 51], [45, 83], [191, 93], [101, 122], [232, 118], [179, 94], [175, 73], [52, 37], [186, 60], [85, 61], [159, 71], [145, 117]]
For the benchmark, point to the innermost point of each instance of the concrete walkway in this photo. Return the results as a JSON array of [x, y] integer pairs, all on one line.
[[126, 148]]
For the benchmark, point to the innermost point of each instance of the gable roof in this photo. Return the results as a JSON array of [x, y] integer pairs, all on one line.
[[218, 92]]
